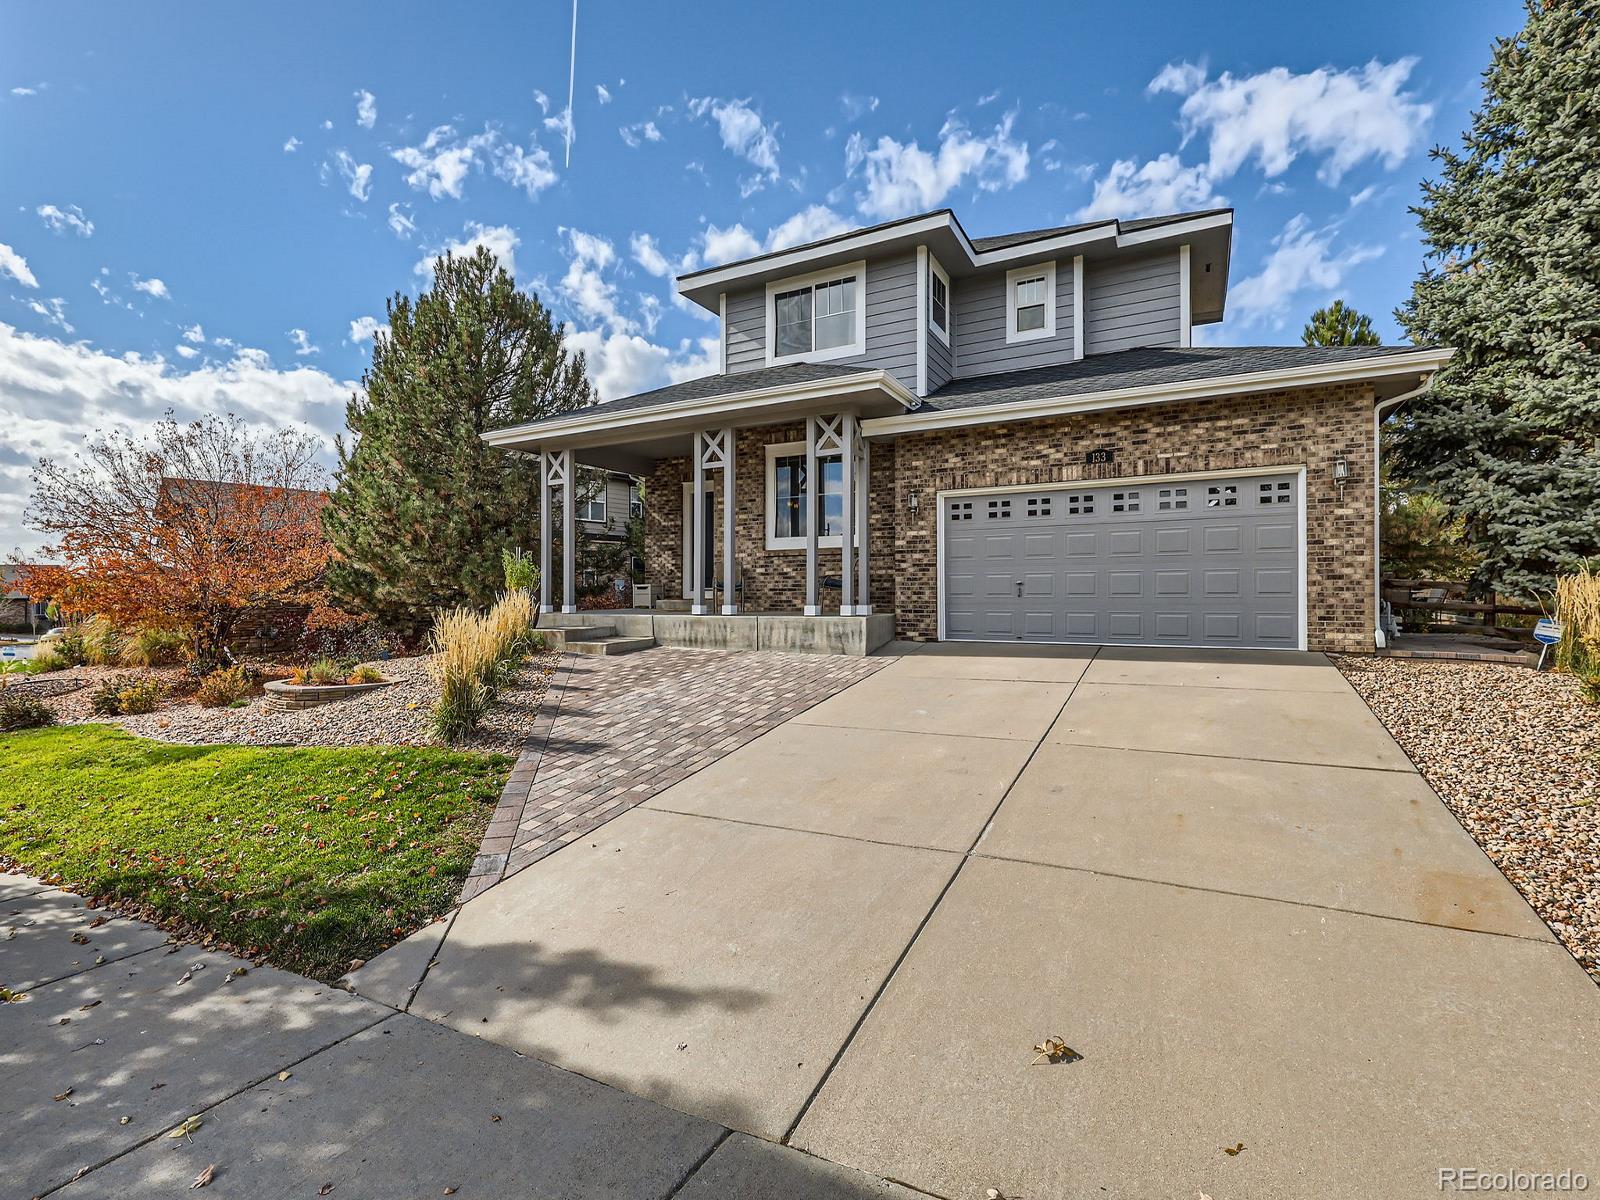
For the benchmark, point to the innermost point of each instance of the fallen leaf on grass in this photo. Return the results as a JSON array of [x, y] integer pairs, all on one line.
[[190, 1124], [1234, 1150], [99, 921], [1054, 1050], [205, 1177]]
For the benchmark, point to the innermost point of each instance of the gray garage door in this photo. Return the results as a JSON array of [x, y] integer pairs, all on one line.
[[1204, 562]]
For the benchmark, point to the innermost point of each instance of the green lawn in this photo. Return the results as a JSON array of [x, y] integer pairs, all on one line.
[[307, 858]]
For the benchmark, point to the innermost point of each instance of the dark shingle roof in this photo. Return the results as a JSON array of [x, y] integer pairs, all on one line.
[[708, 386], [981, 245], [1142, 368], [1038, 235]]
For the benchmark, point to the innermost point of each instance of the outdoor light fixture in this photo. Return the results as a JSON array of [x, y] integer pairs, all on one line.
[[911, 501], [1341, 475]]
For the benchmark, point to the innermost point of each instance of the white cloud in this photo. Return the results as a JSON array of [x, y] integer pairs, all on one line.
[[440, 165], [52, 393], [366, 109], [1340, 117], [400, 222], [54, 311], [186, 351], [302, 343], [530, 170], [585, 285], [14, 265], [362, 329], [649, 312], [726, 245], [622, 364], [745, 134], [499, 240], [541, 100], [988, 99], [648, 255], [1163, 185], [357, 176], [637, 134], [1302, 258], [857, 106], [61, 220], [194, 334], [603, 92], [290, 146], [153, 288], [326, 124], [25, 91], [808, 225], [903, 178]]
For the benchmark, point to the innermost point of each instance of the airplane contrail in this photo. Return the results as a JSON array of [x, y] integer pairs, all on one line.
[[572, 70]]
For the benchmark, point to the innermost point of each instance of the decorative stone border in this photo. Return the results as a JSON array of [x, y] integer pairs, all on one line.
[[289, 697]]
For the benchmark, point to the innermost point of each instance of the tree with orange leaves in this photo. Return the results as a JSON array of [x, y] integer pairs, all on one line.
[[186, 529]]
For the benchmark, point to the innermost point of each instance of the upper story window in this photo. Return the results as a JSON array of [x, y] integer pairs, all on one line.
[[938, 300], [594, 508], [816, 317], [1031, 302], [635, 501]]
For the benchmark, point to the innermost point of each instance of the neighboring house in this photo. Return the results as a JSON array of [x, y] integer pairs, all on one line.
[[18, 610], [1022, 437], [607, 500]]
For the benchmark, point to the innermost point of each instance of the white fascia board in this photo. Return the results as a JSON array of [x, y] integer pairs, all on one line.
[[731, 275], [1318, 375], [730, 404]]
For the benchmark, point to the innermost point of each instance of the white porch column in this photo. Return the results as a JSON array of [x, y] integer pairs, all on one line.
[[697, 526], [864, 516], [847, 513], [730, 602], [546, 502], [569, 548], [812, 513]]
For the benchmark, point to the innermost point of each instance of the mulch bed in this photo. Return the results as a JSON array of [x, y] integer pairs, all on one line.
[[1515, 754]]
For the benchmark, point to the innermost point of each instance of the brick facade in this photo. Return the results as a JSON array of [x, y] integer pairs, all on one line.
[[1305, 427]]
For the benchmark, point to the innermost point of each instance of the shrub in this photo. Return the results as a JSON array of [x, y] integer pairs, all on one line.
[[227, 687], [325, 670], [23, 712], [365, 674], [522, 573], [139, 696], [71, 649], [154, 648], [104, 700], [102, 644], [45, 660]]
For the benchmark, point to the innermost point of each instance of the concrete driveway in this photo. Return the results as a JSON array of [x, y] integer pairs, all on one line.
[[1215, 877]]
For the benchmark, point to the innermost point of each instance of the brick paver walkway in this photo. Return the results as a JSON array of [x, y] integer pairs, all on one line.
[[615, 731]]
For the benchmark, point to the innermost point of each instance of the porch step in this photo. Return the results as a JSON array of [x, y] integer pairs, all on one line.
[[673, 606], [578, 633], [610, 645]]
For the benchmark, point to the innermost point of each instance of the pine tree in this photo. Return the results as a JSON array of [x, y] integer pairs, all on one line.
[[1509, 437], [1339, 325], [424, 506]]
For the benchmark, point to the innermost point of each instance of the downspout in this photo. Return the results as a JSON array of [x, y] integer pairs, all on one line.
[[1380, 410]]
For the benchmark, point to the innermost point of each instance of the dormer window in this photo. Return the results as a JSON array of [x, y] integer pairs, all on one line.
[[938, 300], [816, 317], [1031, 302]]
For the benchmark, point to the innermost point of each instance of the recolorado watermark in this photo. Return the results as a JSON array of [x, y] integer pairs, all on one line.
[[1479, 1179]]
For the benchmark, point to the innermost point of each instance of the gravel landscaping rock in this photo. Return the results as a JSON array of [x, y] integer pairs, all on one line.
[[398, 715], [1515, 755]]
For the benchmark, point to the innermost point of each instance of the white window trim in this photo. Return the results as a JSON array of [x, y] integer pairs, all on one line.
[[853, 349], [605, 511], [769, 501], [949, 301], [1018, 273]]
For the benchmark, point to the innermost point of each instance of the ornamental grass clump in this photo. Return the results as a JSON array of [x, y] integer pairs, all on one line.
[[1578, 610], [149, 647], [474, 656]]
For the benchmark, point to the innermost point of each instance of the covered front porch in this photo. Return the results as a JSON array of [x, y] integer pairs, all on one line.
[[747, 499]]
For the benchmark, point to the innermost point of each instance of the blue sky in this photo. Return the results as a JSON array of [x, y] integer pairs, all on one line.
[[205, 207]]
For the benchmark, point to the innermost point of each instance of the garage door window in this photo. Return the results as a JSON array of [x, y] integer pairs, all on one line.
[[1124, 502], [1081, 505], [1225, 496], [1172, 499], [999, 510], [1276, 493]]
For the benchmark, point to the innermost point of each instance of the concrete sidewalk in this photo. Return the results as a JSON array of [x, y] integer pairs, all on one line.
[[122, 1036], [1215, 876]]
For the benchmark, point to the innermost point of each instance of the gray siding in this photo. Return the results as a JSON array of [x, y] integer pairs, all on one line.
[[981, 347], [891, 322], [616, 507], [941, 358], [747, 330], [1131, 302]]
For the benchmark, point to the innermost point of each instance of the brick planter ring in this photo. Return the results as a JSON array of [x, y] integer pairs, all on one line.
[[288, 697]]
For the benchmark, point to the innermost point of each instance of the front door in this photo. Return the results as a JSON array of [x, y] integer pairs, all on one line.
[[713, 542]]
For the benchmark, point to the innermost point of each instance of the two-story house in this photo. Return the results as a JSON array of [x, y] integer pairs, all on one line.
[[1021, 438]]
